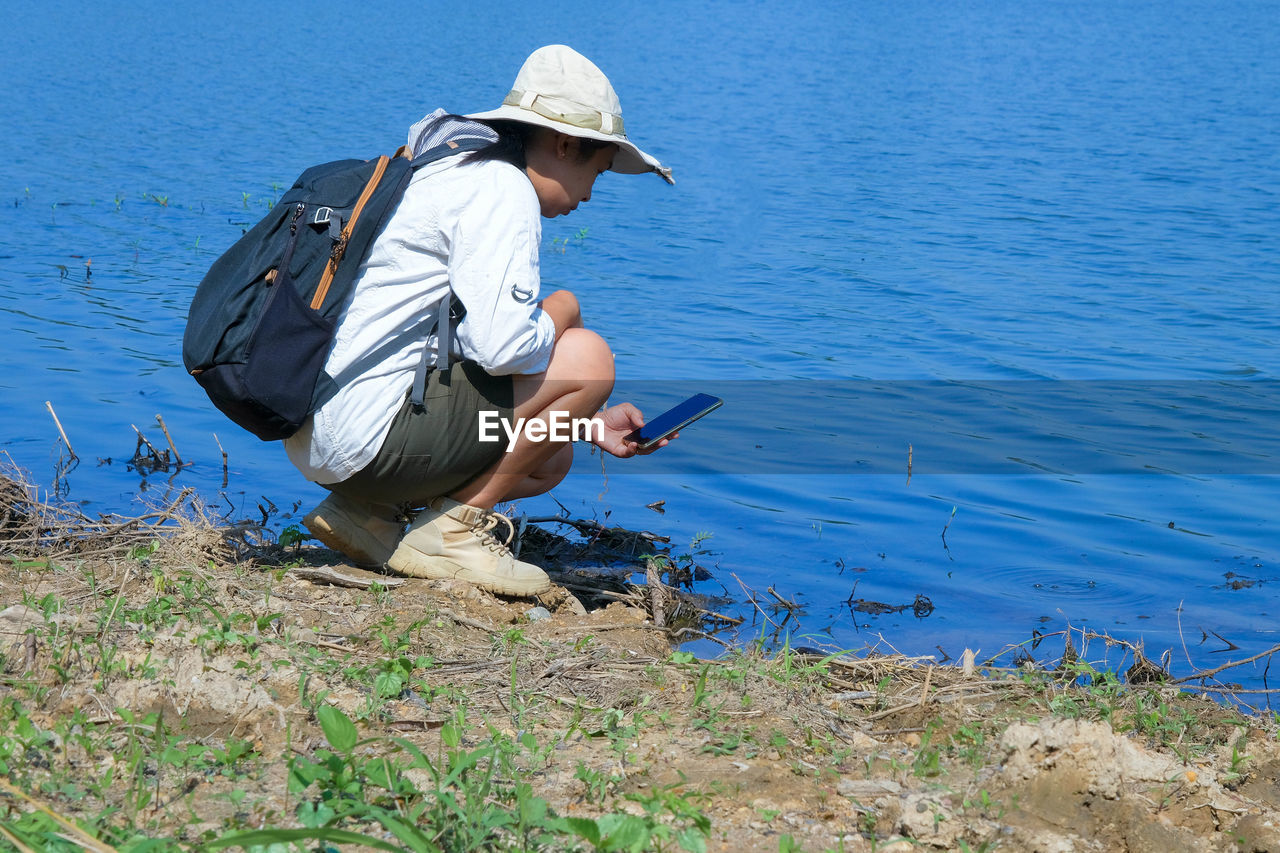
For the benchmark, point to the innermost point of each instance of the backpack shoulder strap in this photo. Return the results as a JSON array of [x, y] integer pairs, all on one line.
[[440, 324], [326, 279], [443, 320]]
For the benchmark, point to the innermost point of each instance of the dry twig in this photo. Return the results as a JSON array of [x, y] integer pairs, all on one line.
[[61, 431], [169, 438]]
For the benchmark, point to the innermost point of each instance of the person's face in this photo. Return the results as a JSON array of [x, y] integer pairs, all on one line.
[[561, 178]]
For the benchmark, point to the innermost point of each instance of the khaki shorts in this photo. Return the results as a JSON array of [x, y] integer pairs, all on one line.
[[434, 452]]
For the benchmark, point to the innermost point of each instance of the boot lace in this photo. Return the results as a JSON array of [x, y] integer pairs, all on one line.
[[483, 528]]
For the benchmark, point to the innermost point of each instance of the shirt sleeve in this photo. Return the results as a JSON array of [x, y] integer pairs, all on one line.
[[493, 270]]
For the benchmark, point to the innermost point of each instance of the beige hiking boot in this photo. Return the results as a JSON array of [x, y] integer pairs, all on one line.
[[367, 533], [453, 540]]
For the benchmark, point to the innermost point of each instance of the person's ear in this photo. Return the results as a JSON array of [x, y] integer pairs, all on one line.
[[566, 145]]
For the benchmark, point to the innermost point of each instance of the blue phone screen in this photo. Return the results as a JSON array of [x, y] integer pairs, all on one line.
[[675, 418]]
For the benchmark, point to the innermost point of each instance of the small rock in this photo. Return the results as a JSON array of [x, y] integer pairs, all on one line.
[[898, 847], [537, 614], [866, 789], [20, 618], [925, 819], [456, 589], [413, 697], [862, 740]]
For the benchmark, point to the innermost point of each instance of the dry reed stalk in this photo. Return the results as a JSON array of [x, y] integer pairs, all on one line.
[[224, 459], [176, 457], [61, 431]]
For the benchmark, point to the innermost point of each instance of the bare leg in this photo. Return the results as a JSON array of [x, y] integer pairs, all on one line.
[[545, 477], [577, 382]]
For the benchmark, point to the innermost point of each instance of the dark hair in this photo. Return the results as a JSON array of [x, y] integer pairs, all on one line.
[[513, 140], [513, 137], [587, 148]]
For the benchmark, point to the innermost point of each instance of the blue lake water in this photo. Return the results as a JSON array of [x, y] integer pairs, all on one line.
[[1007, 272]]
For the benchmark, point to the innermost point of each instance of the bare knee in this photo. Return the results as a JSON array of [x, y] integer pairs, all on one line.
[[582, 355], [579, 378]]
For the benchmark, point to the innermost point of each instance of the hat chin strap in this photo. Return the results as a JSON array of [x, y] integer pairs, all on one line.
[[569, 112]]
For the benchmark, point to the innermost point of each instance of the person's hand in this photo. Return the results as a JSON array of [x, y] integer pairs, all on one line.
[[618, 421]]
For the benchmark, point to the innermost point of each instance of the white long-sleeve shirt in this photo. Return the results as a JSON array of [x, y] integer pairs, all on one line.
[[474, 227]]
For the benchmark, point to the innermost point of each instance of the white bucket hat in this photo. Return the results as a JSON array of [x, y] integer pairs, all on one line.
[[561, 89]]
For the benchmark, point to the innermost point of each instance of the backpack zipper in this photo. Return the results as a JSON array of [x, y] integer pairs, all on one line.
[[340, 247], [287, 257]]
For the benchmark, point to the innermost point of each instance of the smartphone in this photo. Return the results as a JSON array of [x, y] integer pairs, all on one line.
[[674, 420]]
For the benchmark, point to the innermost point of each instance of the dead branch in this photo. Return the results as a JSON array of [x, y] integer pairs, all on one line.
[[1230, 665]]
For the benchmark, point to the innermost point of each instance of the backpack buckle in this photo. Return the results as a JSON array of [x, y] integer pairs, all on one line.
[[328, 216]]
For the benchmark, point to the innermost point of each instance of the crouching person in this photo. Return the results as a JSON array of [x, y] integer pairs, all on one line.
[[468, 225]]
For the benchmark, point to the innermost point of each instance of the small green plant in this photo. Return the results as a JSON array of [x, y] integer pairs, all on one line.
[[1235, 770], [292, 536], [234, 629], [867, 824], [142, 553], [984, 847], [669, 815], [970, 743], [723, 744], [510, 640], [1157, 719], [394, 674], [562, 243], [928, 760], [596, 784], [984, 804]]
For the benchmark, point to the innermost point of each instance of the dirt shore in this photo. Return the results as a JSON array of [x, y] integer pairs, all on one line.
[[162, 692]]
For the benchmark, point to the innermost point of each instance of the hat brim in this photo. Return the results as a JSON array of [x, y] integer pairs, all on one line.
[[629, 160]]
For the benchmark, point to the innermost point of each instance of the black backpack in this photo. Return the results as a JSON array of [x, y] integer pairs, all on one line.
[[262, 319]]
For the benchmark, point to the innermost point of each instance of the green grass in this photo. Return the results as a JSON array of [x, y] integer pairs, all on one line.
[[384, 724], [128, 777]]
